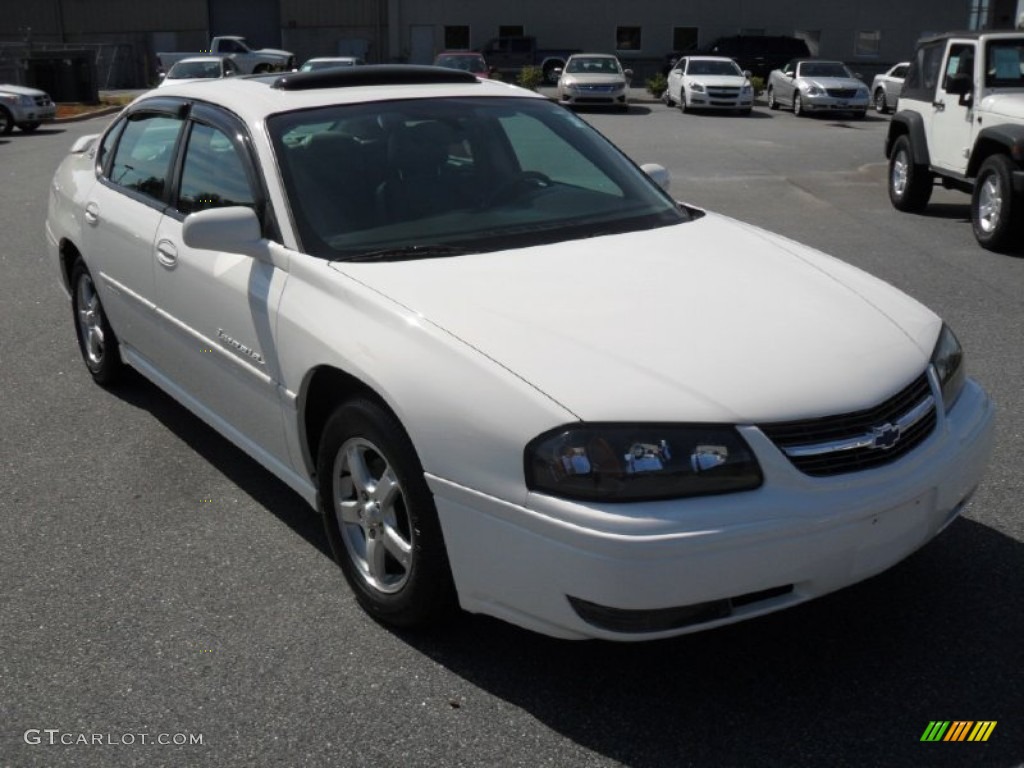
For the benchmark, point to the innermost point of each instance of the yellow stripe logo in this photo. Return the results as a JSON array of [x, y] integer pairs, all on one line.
[[959, 730]]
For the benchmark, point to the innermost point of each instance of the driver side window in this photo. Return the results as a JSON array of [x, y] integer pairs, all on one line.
[[213, 175]]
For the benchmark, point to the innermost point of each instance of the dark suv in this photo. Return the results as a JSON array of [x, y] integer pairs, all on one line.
[[759, 53]]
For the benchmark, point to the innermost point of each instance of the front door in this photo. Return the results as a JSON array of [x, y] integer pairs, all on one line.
[[952, 125]]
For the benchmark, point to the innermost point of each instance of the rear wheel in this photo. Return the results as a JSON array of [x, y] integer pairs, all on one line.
[[380, 517], [910, 185], [995, 209], [96, 339]]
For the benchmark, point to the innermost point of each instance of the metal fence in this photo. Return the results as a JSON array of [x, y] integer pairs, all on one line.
[[117, 65]]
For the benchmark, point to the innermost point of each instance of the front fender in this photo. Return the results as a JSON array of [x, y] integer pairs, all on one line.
[[1008, 138]]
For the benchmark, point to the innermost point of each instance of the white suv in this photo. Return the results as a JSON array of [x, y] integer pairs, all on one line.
[[504, 364], [961, 122]]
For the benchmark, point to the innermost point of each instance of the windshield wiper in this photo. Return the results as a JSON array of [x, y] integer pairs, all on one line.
[[408, 252]]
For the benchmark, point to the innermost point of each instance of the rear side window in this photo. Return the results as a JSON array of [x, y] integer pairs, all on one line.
[[144, 154], [923, 75], [213, 175]]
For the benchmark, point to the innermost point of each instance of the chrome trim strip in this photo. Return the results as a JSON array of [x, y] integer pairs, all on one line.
[[866, 440]]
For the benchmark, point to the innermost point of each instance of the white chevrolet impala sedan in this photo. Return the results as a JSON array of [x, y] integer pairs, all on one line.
[[506, 367]]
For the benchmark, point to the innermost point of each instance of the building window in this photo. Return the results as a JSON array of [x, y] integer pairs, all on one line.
[[510, 30], [628, 39], [456, 38], [684, 38], [868, 43]]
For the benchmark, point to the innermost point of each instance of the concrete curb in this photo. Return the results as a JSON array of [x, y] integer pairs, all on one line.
[[102, 112]]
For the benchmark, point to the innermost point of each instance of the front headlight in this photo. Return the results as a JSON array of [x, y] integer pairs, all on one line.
[[746, 89], [948, 359], [696, 87], [642, 462], [813, 90]]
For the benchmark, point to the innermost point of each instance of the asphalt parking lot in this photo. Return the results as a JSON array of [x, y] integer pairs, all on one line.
[[154, 580]]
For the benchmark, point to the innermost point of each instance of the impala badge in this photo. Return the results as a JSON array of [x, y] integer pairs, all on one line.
[[239, 346]]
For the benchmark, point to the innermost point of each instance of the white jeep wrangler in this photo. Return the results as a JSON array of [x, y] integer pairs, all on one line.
[[961, 121]]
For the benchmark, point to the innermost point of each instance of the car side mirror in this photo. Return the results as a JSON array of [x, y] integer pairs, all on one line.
[[234, 229], [959, 84], [747, 74], [659, 174], [628, 73], [557, 71], [160, 75]]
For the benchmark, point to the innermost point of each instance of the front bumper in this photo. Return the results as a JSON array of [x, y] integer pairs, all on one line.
[[699, 563], [832, 104], [594, 97], [712, 100]]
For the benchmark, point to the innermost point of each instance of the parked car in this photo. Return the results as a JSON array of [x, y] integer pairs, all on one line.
[[334, 277], [508, 55], [27, 108], [246, 58], [592, 80], [885, 88], [331, 62], [199, 68], [759, 54], [467, 61], [815, 85], [709, 82], [961, 122]]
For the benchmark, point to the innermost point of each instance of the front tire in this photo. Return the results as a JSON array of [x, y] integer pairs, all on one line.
[[798, 106], [96, 340], [995, 209], [910, 185], [772, 103], [380, 518], [880, 105], [6, 122], [28, 127]]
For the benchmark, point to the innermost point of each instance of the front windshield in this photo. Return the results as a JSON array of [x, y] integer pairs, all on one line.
[[1004, 63], [824, 69], [592, 65], [197, 69], [473, 174], [698, 67]]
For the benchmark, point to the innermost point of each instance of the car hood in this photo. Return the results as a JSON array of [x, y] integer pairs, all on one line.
[[718, 81], [595, 79], [832, 82], [274, 52], [712, 321], [21, 90], [1006, 104]]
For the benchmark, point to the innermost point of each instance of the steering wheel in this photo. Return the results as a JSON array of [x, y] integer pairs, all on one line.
[[515, 186]]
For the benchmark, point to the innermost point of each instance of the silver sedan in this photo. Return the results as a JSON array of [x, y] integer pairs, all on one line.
[[886, 88], [594, 79], [812, 85]]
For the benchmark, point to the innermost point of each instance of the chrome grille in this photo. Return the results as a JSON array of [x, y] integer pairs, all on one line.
[[842, 93], [852, 442]]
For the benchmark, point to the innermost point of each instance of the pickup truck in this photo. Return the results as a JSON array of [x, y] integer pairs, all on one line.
[[960, 123], [508, 55], [248, 60]]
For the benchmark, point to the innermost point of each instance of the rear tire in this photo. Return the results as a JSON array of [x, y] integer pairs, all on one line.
[[96, 340], [995, 209], [380, 518], [910, 185]]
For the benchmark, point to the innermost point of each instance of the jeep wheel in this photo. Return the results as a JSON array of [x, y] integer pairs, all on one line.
[[910, 185], [994, 207], [772, 103], [880, 106]]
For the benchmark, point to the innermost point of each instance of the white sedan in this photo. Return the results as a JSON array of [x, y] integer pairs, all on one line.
[[887, 87], [199, 68], [474, 336], [709, 82], [594, 80]]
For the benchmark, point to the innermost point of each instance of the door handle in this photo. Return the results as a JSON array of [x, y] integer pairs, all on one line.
[[92, 213], [940, 106], [166, 254]]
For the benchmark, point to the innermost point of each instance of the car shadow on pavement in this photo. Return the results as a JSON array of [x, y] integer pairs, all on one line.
[[851, 679], [953, 211], [251, 477]]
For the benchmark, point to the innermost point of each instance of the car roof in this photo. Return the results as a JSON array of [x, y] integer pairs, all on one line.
[[334, 58], [255, 97], [973, 34], [708, 58], [199, 59], [460, 53], [593, 56]]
